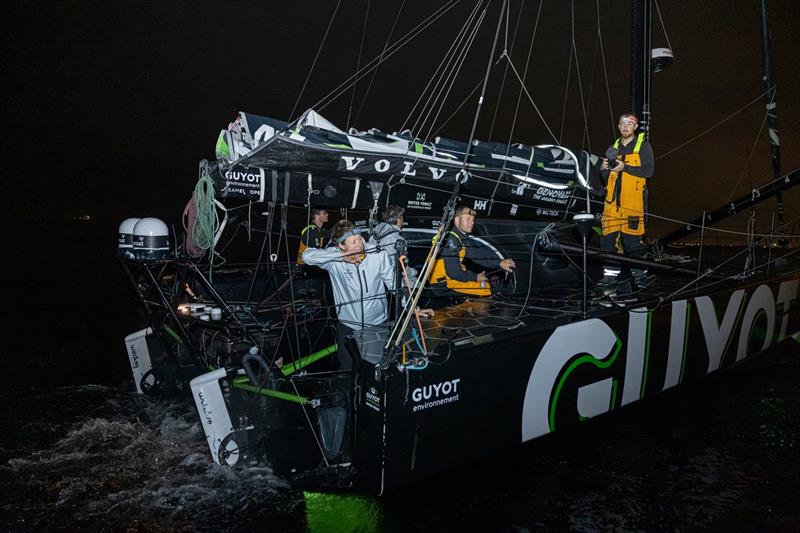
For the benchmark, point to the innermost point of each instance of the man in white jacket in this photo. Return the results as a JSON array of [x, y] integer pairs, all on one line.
[[361, 280]]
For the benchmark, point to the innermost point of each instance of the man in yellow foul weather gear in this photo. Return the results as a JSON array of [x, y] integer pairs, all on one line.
[[450, 275], [629, 164], [312, 236]]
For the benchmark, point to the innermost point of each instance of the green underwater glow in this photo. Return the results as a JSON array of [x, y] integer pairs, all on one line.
[[334, 513]]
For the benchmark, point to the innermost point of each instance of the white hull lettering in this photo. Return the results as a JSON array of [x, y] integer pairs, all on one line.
[[407, 165], [718, 336], [677, 343], [383, 166], [248, 177], [786, 293], [762, 301], [593, 342], [592, 337], [435, 390], [436, 173], [638, 320], [351, 163]]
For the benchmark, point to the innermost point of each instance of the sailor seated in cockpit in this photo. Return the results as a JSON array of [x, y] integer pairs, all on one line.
[[361, 279], [451, 276]]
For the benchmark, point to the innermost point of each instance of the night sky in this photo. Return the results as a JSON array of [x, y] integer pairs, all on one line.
[[108, 107]]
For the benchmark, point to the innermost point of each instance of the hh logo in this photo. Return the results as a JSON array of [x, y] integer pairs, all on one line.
[[480, 205]]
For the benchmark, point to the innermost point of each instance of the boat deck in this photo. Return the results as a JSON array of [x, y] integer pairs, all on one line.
[[479, 320]]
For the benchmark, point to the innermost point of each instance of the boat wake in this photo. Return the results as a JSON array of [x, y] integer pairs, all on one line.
[[119, 462]]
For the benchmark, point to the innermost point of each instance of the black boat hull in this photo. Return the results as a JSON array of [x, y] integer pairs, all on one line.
[[498, 391]]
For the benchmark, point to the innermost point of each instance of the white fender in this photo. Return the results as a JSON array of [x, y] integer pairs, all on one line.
[[213, 413], [139, 356]]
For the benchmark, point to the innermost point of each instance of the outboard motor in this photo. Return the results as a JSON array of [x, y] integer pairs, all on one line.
[[125, 243], [150, 240]]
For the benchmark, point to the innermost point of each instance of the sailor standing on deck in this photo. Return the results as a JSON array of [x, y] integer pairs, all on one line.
[[361, 279], [312, 236], [450, 274], [629, 165], [388, 233]]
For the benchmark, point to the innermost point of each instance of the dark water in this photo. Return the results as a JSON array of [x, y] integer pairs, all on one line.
[[78, 451]]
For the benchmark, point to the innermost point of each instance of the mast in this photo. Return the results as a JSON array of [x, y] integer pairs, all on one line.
[[771, 104], [641, 13]]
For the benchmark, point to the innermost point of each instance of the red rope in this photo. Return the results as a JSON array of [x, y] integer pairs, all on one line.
[[189, 222]]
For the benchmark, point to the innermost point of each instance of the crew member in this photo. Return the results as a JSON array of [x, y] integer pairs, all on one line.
[[312, 236], [388, 233], [451, 276], [360, 278], [629, 163]]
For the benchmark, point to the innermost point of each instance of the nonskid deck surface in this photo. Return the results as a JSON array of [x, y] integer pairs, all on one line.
[[478, 320], [482, 320], [470, 322]]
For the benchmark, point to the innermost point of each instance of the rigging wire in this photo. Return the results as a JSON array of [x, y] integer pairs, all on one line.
[[707, 228], [444, 65], [676, 292], [505, 70], [441, 64], [358, 64], [585, 138], [578, 75], [454, 76], [530, 99], [543, 232], [314, 63], [380, 60], [311, 425], [564, 104], [524, 74], [663, 28], [289, 263], [746, 167], [374, 63], [706, 274], [519, 99], [462, 104], [403, 320], [605, 70], [726, 119], [445, 59], [454, 70]]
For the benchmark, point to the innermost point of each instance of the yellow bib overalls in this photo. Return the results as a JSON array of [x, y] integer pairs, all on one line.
[[625, 212], [472, 288]]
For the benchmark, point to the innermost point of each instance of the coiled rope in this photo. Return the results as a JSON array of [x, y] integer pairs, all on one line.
[[201, 219], [207, 220], [189, 223]]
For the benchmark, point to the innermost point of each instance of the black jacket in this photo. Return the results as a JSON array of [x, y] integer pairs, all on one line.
[[479, 255]]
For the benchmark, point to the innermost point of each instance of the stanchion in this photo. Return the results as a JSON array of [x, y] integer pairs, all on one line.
[[584, 222]]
